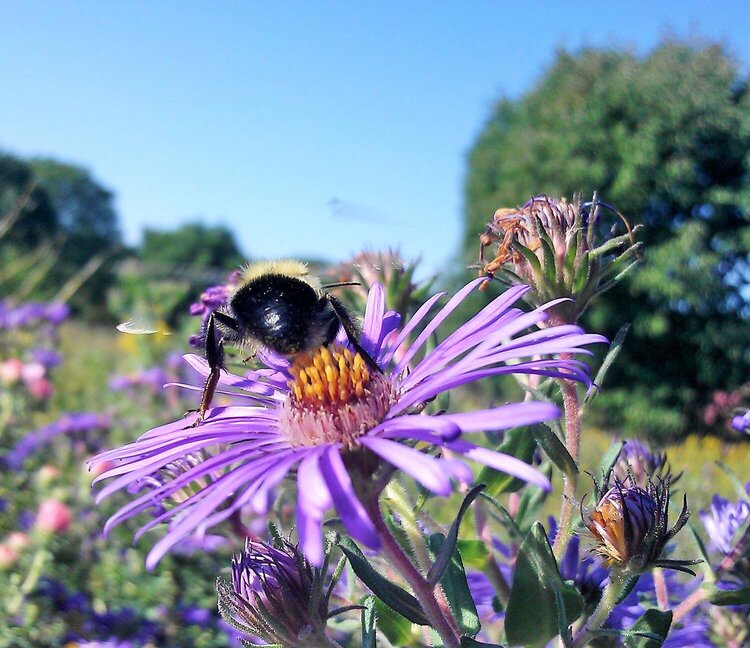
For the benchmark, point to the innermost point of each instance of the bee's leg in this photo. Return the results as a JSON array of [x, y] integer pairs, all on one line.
[[215, 358], [351, 331]]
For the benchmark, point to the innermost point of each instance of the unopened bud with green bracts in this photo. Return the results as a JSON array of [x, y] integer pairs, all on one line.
[[630, 526], [552, 245]]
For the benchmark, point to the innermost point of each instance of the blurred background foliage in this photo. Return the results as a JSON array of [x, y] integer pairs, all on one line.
[[664, 138]]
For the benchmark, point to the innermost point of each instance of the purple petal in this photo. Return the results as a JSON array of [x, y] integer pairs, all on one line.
[[423, 468], [352, 513], [372, 326], [414, 320], [443, 313], [504, 417], [313, 499]]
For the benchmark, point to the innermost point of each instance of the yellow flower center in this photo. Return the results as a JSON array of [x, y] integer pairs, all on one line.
[[333, 398]]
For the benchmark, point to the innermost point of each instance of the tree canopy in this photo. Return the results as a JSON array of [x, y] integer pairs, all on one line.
[[192, 245], [665, 138]]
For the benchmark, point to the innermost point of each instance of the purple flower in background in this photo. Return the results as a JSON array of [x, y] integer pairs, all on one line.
[[69, 423], [636, 459], [46, 357], [741, 422], [56, 313], [724, 519], [337, 422]]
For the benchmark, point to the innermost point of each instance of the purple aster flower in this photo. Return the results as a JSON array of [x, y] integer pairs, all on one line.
[[47, 357], [724, 521], [341, 425], [638, 461], [67, 424], [741, 422]]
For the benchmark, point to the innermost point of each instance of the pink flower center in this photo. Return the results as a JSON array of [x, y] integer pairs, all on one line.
[[333, 398]]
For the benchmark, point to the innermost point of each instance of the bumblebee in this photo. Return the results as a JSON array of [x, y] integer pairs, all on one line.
[[280, 306]]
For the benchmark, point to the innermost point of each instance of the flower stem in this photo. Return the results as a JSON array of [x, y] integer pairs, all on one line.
[[572, 411], [438, 615], [688, 604], [602, 611]]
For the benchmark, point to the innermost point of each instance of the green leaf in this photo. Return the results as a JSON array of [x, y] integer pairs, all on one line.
[[531, 617], [394, 627], [555, 449], [627, 587], [456, 588], [531, 502], [612, 353], [608, 460], [391, 594], [519, 443], [708, 573], [449, 546], [468, 642], [739, 596], [654, 624], [474, 553], [368, 622], [532, 258], [505, 518]]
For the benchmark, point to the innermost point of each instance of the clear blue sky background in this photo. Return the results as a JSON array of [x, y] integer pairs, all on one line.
[[309, 128]]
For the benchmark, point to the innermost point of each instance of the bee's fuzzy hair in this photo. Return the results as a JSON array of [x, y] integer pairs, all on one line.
[[286, 267]]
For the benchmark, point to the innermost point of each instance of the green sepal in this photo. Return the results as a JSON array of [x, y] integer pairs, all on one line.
[[531, 616], [398, 599]]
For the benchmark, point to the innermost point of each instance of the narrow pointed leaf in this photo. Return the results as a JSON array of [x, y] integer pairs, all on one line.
[[614, 351], [456, 588], [394, 627], [395, 597], [368, 622], [739, 596], [531, 617], [468, 642], [555, 449], [449, 546], [653, 622], [531, 502], [505, 518], [608, 460]]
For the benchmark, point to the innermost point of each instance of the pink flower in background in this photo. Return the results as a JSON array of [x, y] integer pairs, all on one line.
[[53, 517], [11, 371], [8, 556]]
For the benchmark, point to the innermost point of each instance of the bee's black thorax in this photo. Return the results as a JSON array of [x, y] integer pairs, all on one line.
[[283, 313]]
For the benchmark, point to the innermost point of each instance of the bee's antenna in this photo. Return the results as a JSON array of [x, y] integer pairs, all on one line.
[[341, 283]]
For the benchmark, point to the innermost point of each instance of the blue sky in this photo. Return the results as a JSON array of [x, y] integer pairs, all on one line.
[[308, 128]]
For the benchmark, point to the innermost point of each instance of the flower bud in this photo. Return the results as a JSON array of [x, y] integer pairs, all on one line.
[[275, 594], [550, 245], [630, 526], [53, 517]]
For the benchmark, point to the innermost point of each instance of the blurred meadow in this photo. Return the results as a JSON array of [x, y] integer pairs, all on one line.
[[661, 133]]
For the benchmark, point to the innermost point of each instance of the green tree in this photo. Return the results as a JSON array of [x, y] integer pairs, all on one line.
[[665, 138], [191, 245], [90, 236]]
